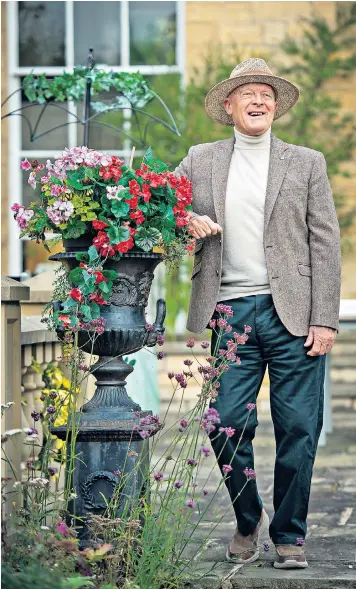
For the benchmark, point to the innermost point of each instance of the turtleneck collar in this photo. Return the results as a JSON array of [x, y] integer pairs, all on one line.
[[243, 141]]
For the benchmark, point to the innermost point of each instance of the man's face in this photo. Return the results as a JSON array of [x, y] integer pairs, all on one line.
[[252, 98]]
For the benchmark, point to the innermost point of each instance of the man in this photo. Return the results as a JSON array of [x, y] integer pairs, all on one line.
[[268, 246]]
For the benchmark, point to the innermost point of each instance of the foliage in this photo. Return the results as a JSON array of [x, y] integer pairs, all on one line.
[[326, 54], [139, 541], [132, 89]]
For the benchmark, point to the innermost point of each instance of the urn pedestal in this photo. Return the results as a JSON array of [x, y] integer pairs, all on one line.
[[106, 439]]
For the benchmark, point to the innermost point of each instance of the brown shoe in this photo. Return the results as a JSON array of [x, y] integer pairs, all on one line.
[[245, 549], [290, 557]]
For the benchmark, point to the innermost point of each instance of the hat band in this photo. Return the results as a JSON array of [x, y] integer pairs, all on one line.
[[251, 73]]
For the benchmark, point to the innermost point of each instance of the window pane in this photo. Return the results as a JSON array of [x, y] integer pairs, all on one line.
[[103, 132], [54, 115], [97, 25], [41, 33], [152, 33]]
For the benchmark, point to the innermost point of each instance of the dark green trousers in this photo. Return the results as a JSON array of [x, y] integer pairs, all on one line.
[[296, 396]]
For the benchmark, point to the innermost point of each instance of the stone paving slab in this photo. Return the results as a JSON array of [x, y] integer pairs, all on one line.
[[331, 538]]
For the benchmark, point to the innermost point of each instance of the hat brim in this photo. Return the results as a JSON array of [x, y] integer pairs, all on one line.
[[287, 95]]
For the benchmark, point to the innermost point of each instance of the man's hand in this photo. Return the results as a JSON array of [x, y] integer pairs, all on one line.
[[322, 340], [203, 226]]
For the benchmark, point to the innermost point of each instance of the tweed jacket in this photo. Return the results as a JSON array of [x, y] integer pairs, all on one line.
[[301, 234]]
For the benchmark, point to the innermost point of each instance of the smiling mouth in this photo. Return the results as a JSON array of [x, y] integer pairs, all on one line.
[[256, 114]]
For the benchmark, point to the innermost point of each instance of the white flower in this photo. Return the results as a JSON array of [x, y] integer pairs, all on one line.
[[44, 528], [39, 483]]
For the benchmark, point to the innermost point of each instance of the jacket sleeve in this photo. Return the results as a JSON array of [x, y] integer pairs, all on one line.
[[185, 169], [324, 244]]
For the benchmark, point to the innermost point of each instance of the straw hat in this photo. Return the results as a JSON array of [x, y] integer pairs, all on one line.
[[250, 70]]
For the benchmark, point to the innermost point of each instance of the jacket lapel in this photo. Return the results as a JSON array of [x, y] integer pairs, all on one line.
[[278, 164], [220, 173]]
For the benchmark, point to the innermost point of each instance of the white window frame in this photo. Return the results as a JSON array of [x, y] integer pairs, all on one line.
[[15, 73]]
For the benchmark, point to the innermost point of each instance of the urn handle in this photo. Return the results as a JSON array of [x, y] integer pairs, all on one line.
[[158, 328]]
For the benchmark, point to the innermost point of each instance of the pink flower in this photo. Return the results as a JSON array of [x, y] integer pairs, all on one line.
[[178, 484], [144, 433], [32, 180], [25, 165], [212, 323], [16, 207], [250, 406], [226, 468], [248, 329], [158, 476], [190, 343], [250, 473], [62, 528], [190, 503], [229, 431], [23, 217], [299, 541], [205, 450], [191, 462], [205, 492], [184, 423], [205, 345]]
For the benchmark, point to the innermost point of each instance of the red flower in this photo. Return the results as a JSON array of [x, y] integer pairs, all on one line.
[[138, 217], [132, 231], [98, 298], [65, 320], [133, 202], [116, 161], [99, 277], [77, 295], [105, 173], [116, 173], [124, 246], [146, 192], [99, 224], [134, 187]]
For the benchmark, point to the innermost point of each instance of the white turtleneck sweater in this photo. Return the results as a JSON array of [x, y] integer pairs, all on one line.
[[244, 270]]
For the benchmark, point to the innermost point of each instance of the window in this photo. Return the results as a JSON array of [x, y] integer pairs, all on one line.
[[49, 37]]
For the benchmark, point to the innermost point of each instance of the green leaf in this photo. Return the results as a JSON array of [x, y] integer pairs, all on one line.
[[87, 312], [82, 257], [76, 276], [120, 208], [103, 287], [110, 274], [95, 310], [74, 229], [76, 582], [146, 238], [147, 158], [93, 253]]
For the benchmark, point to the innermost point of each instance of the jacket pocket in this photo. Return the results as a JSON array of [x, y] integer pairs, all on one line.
[[196, 269], [198, 246], [304, 269]]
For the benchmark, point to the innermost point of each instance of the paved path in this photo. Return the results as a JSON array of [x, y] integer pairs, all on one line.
[[331, 540]]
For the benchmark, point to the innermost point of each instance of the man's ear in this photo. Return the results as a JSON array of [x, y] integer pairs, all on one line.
[[227, 106]]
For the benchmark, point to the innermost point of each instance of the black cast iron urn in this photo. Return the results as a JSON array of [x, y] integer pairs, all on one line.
[[107, 442]]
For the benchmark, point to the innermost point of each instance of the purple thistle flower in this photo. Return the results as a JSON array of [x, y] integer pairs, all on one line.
[[196, 419], [226, 468], [205, 450], [190, 342], [144, 433], [160, 355], [117, 473], [299, 541], [229, 431], [160, 339], [205, 345], [188, 362], [51, 409], [191, 462], [250, 473], [62, 528], [266, 546], [148, 327], [43, 397], [248, 329], [158, 476], [251, 406], [53, 395], [35, 415], [205, 492], [170, 375], [212, 323], [190, 503], [52, 470], [184, 423], [178, 484]]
